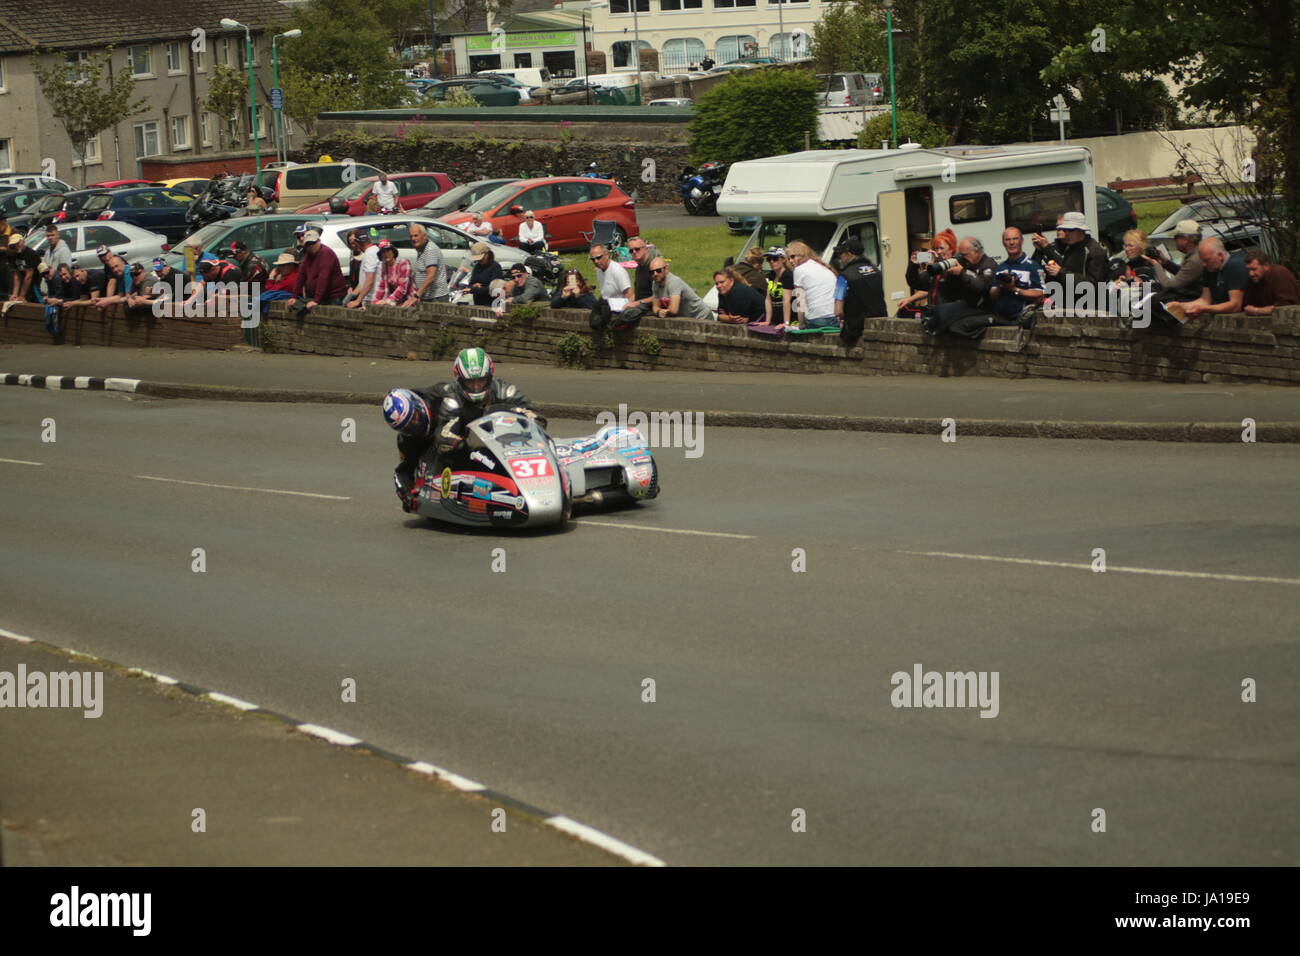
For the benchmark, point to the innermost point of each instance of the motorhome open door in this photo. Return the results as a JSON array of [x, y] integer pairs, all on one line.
[[893, 246]]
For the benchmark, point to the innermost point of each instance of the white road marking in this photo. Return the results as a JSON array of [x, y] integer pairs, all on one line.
[[605, 842], [19, 461], [16, 637], [455, 779], [160, 678], [1110, 568], [583, 522], [82, 381], [267, 491], [232, 701], [333, 736]]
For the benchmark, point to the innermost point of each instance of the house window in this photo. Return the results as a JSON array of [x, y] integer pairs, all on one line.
[[681, 52], [205, 127], [6, 156], [174, 60], [91, 157], [623, 55], [732, 48], [180, 132], [625, 6], [728, 4], [146, 139], [137, 58], [681, 4], [261, 121], [2, 76], [77, 66]]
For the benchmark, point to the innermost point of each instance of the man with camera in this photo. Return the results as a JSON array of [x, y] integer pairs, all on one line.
[[964, 288], [1076, 255], [1018, 290]]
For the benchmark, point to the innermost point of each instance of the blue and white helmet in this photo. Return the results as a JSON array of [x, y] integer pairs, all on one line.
[[407, 412]]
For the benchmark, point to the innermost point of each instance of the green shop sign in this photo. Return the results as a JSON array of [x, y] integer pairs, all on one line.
[[514, 41]]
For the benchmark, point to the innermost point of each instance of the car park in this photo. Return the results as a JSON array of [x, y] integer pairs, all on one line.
[[20, 181], [129, 241], [307, 183], [462, 196], [453, 243], [484, 91], [154, 209], [266, 235], [524, 90], [566, 206], [186, 185], [18, 206], [413, 191]]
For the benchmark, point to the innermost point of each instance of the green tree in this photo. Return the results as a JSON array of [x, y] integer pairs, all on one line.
[[912, 128], [86, 97], [850, 38], [227, 97], [754, 113], [1236, 60]]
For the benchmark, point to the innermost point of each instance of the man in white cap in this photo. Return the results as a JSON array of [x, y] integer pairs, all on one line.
[[1082, 256], [532, 234]]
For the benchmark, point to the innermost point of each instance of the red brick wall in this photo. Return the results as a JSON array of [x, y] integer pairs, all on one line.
[[199, 168], [87, 325]]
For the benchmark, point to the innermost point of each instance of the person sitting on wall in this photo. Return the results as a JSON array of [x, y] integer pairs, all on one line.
[[739, 303], [574, 293], [1271, 284], [964, 289], [1223, 286], [919, 279], [750, 269]]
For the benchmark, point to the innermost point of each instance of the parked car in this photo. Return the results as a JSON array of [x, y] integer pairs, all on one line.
[[34, 181], [461, 197], [59, 208], [672, 101], [186, 185], [1115, 216], [754, 60], [18, 206], [155, 209], [1238, 220], [741, 224], [523, 89], [119, 183], [530, 76], [413, 190], [565, 205], [266, 235], [307, 183], [453, 243], [845, 89], [485, 92], [130, 242], [580, 84]]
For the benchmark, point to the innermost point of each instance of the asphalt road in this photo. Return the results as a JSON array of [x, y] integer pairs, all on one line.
[[673, 216], [1117, 690]]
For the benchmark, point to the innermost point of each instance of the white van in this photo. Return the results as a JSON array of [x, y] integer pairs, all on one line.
[[534, 76], [893, 199], [621, 80]]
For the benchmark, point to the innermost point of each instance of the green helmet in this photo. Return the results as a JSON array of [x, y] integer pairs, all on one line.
[[473, 373]]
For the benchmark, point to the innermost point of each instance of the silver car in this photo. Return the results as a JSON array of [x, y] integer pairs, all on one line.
[[129, 241], [397, 229]]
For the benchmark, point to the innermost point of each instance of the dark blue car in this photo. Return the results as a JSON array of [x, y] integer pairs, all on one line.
[[157, 209]]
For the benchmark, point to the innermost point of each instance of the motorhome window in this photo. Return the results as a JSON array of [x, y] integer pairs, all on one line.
[[777, 232], [972, 207], [866, 232], [1035, 208]]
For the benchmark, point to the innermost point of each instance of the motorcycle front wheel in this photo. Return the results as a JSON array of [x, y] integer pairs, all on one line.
[[692, 207]]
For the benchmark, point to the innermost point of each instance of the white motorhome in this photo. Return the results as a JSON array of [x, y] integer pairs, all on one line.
[[895, 200]]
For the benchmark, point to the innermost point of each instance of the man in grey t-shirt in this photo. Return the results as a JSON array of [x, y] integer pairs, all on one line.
[[428, 275], [673, 297]]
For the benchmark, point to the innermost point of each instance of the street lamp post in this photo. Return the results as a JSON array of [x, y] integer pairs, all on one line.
[[636, 34], [893, 101], [230, 24], [780, 16], [275, 73]]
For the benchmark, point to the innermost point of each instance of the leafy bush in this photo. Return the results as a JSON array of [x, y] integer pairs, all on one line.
[[442, 340], [650, 345], [525, 312], [574, 350], [754, 113], [912, 128]]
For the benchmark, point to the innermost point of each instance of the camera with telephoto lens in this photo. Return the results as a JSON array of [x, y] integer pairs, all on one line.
[[1006, 278], [940, 266]]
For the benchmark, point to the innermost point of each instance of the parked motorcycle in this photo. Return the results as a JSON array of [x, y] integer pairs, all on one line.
[[510, 474], [223, 198], [700, 188]]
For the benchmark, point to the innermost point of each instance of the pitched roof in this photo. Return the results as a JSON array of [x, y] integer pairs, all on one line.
[[87, 24]]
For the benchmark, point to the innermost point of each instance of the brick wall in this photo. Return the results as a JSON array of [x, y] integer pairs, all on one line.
[[87, 325], [201, 167], [1222, 349]]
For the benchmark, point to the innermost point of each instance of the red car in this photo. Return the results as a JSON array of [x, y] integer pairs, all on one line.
[[565, 205], [413, 191], [115, 183]]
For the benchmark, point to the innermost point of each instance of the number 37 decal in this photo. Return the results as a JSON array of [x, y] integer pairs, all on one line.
[[530, 467]]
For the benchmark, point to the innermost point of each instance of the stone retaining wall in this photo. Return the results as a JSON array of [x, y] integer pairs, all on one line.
[[87, 325], [1235, 348]]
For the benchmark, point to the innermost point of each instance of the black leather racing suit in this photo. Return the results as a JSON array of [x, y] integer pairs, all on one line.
[[452, 410]]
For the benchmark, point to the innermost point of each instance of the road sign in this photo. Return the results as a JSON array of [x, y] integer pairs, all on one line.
[[277, 98], [1059, 116]]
